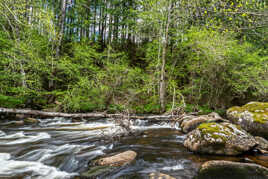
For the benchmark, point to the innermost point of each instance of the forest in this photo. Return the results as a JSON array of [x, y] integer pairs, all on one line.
[[140, 56]]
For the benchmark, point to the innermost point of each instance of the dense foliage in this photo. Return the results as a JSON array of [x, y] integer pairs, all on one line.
[[144, 56]]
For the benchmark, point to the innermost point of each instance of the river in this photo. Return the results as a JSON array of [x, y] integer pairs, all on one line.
[[61, 148]]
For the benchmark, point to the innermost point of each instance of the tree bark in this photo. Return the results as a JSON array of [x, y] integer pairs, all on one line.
[[162, 89], [61, 25], [37, 113]]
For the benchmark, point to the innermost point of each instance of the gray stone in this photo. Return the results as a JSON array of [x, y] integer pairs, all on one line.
[[231, 170]]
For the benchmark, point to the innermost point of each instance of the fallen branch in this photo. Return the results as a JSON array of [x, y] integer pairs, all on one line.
[[63, 129], [37, 113]]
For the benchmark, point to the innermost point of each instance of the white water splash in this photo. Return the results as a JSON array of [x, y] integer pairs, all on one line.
[[175, 167], [2, 133], [162, 125], [43, 155], [21, 138], [98, 151], [37, 170]]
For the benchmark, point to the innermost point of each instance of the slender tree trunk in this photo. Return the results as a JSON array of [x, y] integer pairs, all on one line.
[[95, 20], [61, 34], [162, 88], [62, 26]]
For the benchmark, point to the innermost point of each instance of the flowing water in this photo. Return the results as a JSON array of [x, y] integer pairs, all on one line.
[[61, 148]]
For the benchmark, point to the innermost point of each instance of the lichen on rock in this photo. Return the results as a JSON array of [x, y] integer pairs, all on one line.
[[189, 123], [220, 139], [253, 117]]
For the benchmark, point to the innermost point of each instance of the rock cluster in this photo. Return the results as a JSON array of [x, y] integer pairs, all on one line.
[[210, 134], [245, 130]]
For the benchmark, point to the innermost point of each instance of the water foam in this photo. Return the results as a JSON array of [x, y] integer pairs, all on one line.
[[21, 138], [36, 169]]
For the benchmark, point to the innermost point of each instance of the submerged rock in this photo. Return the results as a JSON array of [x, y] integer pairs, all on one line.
[[253, 117], [13, 123], [21, 116], [117, 160], [259, 159], [189, 123], [30, 121], [232, 170], [97, 171], [158, 175], [220, 139]]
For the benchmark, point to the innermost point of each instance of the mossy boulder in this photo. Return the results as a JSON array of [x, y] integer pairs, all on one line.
[[232, 170], [220, 139], [252, 117], [189, 123]]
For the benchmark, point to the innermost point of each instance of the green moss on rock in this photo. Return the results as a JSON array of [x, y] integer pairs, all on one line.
[[259, 110], [219, 138], [260, 118], [214, 130]]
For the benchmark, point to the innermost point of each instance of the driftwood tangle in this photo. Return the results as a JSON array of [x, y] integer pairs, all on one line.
[[36, 113]]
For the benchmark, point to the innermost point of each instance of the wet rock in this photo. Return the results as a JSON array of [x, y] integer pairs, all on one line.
[[97, 171], [220, 139], [17, 123], [262, 145], [189, 123], [253, 117], [232, 170], [31, 121], [158, 175], [215, 116], [21, 116], [13, 123], [117, 160], [259, 159]]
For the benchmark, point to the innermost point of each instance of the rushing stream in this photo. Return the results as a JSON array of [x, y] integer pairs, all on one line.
[[61, 148]]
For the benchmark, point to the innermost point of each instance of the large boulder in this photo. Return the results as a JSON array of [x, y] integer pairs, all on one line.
[[117, 160], [189, 123], [253, 117], [231, 170], [220, 139]]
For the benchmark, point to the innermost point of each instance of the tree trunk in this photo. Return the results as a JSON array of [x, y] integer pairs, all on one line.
[[62, 26], [37, 113], [162, 88]]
